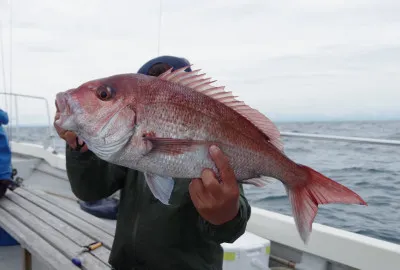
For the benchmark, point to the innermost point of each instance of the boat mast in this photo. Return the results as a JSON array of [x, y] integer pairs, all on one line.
[[10, 72]]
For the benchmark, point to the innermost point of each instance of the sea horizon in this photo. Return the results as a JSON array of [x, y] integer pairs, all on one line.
[[277, 122]]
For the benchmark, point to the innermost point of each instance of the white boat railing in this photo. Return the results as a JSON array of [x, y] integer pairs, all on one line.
[[333, 244], [340, 138], [49, 140]]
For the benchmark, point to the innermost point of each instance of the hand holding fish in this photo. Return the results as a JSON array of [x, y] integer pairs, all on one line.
[[216, 202]]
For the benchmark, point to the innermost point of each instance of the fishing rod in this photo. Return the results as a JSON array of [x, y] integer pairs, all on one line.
[[159, 28]]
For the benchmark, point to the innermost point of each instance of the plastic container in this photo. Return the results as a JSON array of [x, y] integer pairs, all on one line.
[[249, 252], [6, 239]]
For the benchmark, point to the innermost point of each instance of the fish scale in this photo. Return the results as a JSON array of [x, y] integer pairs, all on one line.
[[169, 126], [163, 126]]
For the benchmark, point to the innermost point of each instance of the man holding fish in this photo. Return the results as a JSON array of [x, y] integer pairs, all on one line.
[[168, 223], [163, 130]]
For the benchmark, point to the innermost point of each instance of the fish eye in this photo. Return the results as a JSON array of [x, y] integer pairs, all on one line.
[[105, 92]]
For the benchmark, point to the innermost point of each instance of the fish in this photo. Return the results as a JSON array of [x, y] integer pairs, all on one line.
[[163, 126]]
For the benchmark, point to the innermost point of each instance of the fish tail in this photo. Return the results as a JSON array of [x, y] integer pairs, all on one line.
[[305, 196]]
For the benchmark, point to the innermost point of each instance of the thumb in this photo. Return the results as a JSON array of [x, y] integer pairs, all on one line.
[[222, 162]]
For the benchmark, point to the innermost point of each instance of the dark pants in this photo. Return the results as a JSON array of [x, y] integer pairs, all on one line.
[[3, 187]]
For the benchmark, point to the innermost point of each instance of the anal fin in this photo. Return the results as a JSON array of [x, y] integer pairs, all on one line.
[[258, 182], [160, 186]]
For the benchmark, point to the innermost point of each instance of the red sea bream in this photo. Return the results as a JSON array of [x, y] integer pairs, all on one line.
[[163, 126]]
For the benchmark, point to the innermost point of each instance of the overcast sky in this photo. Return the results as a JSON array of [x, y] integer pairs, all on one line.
[[292, 60]]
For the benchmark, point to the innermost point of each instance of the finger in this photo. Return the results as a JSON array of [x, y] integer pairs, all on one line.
[[84, 148], [80, 142], [70, 138], [196, 186], [222, 163], [59, 130], [196, 191], [211, 183]]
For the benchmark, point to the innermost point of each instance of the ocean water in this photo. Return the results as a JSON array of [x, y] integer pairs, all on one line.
[[372, 171]]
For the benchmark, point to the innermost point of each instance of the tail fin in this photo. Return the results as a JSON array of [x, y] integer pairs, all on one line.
[[318, 189]]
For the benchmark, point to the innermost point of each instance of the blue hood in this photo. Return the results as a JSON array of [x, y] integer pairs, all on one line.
[[5, 151], [175, 62]]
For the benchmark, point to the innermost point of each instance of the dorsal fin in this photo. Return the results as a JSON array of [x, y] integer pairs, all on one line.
[[204, 85]]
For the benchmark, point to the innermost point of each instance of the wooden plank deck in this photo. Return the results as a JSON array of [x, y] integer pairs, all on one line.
[[53, 231]]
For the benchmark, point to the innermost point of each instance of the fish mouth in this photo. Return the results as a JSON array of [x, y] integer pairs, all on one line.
[[64, 112], [62, 105]]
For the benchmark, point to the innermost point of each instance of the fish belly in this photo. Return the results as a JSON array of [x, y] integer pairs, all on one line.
[[190, 164]]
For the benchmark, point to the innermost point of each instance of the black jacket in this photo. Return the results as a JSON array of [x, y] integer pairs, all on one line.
[[149, 234]]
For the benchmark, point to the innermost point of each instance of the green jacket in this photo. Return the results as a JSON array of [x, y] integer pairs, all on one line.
[[150, 235]]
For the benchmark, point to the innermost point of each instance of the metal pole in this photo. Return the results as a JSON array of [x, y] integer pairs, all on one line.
[[49, 128], [16, 118], [11, 53]]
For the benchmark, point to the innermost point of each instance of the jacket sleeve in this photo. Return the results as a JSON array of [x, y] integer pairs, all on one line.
[[231, 230], [91, 178], [3, 117]]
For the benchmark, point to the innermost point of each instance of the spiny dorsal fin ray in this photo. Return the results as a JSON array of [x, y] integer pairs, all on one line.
[[203, 85]]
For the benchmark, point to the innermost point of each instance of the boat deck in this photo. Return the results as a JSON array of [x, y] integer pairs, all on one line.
[[46, 207], [53, 230]]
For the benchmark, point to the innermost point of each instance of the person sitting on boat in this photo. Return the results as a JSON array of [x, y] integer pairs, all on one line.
[[150, 235], [5, 156]]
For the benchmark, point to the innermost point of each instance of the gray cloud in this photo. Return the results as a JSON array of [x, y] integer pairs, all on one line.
[[290, 59]]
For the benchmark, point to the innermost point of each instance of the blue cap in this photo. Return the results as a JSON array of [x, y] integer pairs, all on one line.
[[175, 62], [77, 262]]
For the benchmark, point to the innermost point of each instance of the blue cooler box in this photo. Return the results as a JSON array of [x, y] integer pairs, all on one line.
[[6, 239]]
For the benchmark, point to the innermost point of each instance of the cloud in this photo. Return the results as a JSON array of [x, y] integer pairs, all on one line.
[[289, 59]]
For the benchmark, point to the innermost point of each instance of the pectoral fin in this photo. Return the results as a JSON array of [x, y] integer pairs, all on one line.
[[160, 186], [174, 146]]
